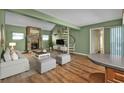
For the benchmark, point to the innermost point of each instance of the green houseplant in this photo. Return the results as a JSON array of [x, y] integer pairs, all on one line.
[[50, 42]]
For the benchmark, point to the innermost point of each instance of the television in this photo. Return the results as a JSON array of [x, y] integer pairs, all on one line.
[[60, 42]]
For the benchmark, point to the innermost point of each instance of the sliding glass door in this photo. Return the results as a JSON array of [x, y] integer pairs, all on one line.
[[117, 41]]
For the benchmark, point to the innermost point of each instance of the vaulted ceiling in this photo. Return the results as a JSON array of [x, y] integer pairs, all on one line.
[[21, 20], [77, 17], [82, 17]]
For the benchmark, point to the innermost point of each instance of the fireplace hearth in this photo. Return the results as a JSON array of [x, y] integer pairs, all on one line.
[[34, 46]]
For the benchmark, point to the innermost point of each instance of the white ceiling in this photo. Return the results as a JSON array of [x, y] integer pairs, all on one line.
[[81, 17], [20, 20]]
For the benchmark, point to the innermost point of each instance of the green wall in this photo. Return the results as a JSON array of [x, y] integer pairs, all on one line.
[[107, 40], [20, 44], [83, 36], [2, 21], [46, 42]]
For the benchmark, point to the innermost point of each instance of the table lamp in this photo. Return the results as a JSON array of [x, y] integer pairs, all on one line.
[[12, 44]]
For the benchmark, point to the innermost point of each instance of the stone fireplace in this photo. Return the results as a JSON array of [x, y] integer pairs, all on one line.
[[33, 38]]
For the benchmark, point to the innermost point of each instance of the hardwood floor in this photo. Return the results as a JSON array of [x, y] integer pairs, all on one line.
[[77, 71]]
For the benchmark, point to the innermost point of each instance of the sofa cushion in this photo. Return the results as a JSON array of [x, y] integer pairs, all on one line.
[[2, 61], [13, 67], [7, 50], [7, 56], [44, 65], [19, 54]]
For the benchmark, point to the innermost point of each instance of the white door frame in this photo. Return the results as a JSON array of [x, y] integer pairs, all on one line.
[[91, 29]]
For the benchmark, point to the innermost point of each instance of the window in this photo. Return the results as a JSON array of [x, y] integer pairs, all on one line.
[[45, 37], [17, 36]]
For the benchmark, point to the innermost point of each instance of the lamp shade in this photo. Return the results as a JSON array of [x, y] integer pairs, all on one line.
[[12, 44]]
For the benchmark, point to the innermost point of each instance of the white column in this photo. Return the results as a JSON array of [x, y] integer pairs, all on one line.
[[68, 41]]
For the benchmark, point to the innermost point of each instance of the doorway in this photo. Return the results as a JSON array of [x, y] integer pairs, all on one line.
[[97, 40]]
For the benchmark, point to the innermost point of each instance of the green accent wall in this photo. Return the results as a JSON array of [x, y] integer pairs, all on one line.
[[107, 40], [2, 21], [20, 44], [45, 42], [83, 36]]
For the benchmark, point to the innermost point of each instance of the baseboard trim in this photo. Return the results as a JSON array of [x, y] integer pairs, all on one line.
[[80, 53]]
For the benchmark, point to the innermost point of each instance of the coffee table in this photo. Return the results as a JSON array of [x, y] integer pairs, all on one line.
[[40, 55]]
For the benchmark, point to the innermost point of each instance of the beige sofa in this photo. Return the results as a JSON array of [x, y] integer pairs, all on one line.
[[13, 67]]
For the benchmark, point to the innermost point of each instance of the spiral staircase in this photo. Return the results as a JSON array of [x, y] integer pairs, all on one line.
[[69, 40], [72, 41]]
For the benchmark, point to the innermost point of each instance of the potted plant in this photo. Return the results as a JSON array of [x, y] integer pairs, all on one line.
[[50, 42]]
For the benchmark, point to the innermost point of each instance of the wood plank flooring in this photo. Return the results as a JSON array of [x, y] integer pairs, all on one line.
[[77, 71]]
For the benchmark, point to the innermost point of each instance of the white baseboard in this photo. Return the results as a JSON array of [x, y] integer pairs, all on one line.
[[80, 53]]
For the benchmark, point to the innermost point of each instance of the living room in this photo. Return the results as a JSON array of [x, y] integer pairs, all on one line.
[[53, 46]]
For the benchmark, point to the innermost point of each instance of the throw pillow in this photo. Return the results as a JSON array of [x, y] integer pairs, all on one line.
[[7, 56], [14, 56]]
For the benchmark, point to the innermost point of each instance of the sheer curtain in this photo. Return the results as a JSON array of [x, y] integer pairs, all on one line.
[[117, 41]]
